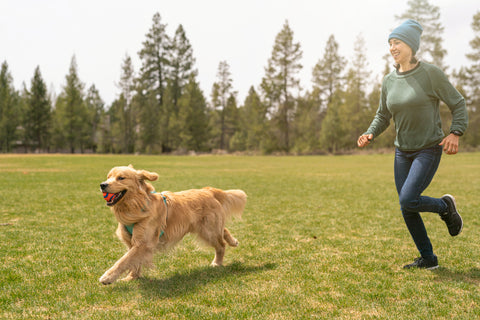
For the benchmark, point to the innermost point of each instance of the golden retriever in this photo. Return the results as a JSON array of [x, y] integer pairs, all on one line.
[[150, 221]]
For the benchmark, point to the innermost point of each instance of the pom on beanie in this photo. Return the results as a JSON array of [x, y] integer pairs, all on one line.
[[409, 32]]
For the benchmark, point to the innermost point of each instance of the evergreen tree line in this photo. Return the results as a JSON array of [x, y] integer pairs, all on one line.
[[161, 108]]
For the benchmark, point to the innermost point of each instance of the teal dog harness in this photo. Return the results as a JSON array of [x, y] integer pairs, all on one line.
[[129, 227]]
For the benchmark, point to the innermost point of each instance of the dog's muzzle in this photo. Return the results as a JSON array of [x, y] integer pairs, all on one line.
[[111, 198]]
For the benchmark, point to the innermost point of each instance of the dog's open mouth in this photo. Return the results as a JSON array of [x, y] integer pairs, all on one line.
[[113, 198]]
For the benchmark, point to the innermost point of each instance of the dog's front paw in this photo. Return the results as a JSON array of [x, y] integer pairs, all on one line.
[[107, 279]]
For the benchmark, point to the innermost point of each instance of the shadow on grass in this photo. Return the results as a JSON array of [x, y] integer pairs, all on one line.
[[471, 276], [186, 283]]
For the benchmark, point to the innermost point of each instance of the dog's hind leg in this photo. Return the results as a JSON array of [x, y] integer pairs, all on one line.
[[232, 242], [220, 247], [216, 241], [219, 254]]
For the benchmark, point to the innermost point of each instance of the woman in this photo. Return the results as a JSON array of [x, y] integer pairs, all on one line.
[[411, 95]]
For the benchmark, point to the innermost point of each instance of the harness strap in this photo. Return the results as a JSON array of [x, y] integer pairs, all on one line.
[[129, 227]]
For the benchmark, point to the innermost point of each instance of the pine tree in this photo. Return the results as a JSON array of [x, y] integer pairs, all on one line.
[[306, 124], [150, 134], [354, 112], [221, 92], [181, 68], [327, 75], [328, 80], [127, 79], [94, 107], [280, 80], [332, 132], [70, 113], [126, 111], [152, 83], [472, 85], [9, 110], [112, 135], [474, 68], [428, 15], [353, 106], [181, 62], [254, 123], [153, 72], [38, 114], [232, 121], [193, 116]]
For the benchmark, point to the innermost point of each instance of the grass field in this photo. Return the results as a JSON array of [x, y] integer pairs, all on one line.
[[321, 238]]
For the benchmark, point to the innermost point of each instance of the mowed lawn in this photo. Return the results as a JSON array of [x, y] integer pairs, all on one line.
[[322, 237]]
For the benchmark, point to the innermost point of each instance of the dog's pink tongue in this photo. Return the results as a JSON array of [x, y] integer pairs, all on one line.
[[108, 196]]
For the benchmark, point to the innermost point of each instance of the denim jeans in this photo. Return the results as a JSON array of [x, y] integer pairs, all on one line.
[[413, 173]]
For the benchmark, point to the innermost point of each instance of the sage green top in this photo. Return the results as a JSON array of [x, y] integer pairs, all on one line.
[[412, 99]]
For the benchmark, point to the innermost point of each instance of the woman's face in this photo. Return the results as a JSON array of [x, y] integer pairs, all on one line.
[[400, 51]]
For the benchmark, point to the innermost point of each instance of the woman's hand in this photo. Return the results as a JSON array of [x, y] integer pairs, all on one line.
[[450, 144], [364, 140]]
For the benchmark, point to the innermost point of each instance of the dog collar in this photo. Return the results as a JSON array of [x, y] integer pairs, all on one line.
[[129, 227]]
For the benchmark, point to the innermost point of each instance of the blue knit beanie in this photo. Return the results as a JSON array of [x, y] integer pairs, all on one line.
[[409, 32]]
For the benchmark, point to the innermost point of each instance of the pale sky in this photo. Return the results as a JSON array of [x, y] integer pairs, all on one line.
[[100, 33]]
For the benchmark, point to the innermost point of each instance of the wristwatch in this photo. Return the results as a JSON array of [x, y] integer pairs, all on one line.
[[457, 133]]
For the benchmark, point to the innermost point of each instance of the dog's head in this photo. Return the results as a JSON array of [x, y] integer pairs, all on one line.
[[126, 182]]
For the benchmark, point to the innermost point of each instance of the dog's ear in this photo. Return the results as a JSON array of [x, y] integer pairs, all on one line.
[[147, 175]]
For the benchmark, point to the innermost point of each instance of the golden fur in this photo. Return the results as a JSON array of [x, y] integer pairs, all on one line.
[[203, 212]]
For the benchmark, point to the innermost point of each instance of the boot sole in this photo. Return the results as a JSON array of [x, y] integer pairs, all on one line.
[[455, 205]]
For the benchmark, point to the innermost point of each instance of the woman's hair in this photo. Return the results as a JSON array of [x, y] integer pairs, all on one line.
[[413, 60]]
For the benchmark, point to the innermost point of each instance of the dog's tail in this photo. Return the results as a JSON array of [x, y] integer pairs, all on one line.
[[233, 201]]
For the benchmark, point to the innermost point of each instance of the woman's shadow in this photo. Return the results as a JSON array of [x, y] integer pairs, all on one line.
[[471, 276], [190, 281]]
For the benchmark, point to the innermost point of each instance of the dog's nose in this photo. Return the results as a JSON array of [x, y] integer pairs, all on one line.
[[103, 185]]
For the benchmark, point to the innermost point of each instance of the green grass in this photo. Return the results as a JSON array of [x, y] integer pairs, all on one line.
[[321, 238]]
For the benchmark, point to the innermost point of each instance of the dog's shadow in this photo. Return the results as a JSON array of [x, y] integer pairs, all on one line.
[[185, 283], [471, 276]]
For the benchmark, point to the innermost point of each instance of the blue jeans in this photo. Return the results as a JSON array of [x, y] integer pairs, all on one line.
[[413, 173]]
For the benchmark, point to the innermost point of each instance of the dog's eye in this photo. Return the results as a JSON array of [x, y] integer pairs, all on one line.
[[121, 178]]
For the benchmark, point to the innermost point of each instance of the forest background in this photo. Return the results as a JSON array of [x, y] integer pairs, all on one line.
[[161, 108]]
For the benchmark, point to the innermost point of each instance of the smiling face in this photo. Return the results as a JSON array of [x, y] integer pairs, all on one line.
[[124, 180], [400, 51]]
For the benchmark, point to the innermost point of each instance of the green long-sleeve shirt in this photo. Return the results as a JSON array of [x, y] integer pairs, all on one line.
[[412, 99]]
